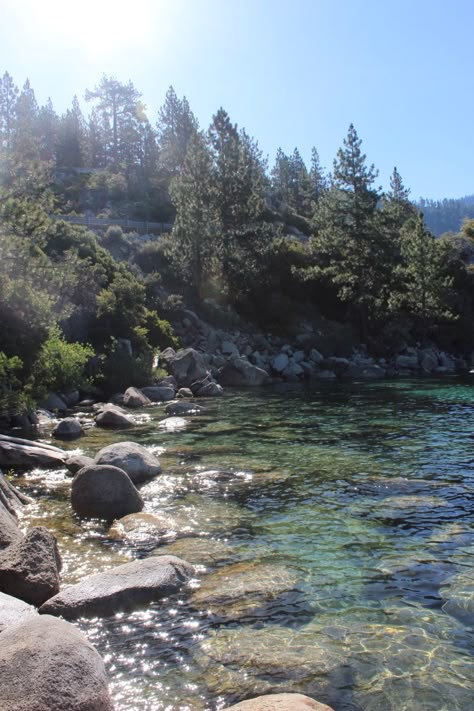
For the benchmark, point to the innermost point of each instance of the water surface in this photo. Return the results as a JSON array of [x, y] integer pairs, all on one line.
[[337, 562]]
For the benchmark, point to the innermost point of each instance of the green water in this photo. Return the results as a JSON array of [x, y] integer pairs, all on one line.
[[338, 562]]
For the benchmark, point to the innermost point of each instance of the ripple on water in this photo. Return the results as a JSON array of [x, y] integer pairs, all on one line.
[[338, 564]]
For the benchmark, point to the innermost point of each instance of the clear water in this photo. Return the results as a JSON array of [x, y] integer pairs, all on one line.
[[338, 563]]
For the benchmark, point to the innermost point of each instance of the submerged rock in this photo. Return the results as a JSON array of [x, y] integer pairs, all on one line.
[[173, 423], [183, 408], [241, 588], [123, 588], [29, 568], [46, 664], [135, 460], [280, 702], [459, 597], [104, 492], [199, 551], [144, 529]]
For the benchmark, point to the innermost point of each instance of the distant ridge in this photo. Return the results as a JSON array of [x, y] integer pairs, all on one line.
[[446, 215]]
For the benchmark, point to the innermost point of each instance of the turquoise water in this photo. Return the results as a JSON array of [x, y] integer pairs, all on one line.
[[337, 560]]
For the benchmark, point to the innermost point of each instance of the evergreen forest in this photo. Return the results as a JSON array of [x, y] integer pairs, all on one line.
[[272, 241]]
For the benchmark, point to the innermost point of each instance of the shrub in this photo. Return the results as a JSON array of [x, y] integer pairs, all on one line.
[[60, 365]]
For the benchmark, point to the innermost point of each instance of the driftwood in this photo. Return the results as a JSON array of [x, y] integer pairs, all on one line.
[[16, 453]]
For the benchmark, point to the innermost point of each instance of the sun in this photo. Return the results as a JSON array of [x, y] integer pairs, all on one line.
[[95, 28]]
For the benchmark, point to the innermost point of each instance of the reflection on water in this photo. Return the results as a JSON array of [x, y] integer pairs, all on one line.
[[333, 534]]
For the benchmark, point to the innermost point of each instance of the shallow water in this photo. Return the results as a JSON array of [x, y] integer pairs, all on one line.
[[337, 562]]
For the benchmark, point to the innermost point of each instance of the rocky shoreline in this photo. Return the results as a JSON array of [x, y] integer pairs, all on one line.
[[37, 614], [31, 595]]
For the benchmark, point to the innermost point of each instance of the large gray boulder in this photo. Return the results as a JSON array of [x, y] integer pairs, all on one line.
[[77, 462], [113, 417], [280, 362], [29, 568], [10, 502], [135, 460], [13, 611], [16, 453], [104, 491], [280, 702], [123, 588], [69, 428], [159, 393], [133, 397], [53, 402], [240, 372], [188, 365], [46, 664]]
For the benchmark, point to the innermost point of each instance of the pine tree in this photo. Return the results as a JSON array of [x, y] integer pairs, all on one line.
[[176, 125], [317, 177], [194, 230], [349, 248], [424, 283], [119, 111], [8, 108]]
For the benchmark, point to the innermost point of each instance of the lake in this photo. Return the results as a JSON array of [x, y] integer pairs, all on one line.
[[335, 554]]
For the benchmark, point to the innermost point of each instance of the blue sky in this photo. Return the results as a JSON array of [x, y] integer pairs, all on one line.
[[293, 73]]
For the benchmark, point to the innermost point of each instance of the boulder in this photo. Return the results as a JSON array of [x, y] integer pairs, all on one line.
[[336, 364], [184, 393], [182, 408], [446, 361], [133, 397], [123, 588], [9, 531], [46, 664], [53, 402], [241, 373], [280, 702], [168, 382], [280, 362], [230, 349], [428, 360], [71, 398], [77, 462], [188, 365], [14, 611], [316, 356], [293, 371], [29, 568], [69, 428], [208, 388], [135, 460], [104, 492], [114, 417], [407, 361], [16, 453], [159, 393]]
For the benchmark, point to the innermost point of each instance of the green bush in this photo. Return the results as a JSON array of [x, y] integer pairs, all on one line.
[[160, 332], [121, 370], [60, 366]]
